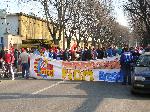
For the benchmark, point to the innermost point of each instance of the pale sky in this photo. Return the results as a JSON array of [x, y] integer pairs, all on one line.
[[13, 7], [121, 18]]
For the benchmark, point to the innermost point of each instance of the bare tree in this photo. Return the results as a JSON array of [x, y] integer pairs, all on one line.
[[55, 22], [139, 11], [82, 19]]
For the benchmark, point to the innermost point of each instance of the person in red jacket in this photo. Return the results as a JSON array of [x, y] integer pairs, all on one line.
[[8, 58]]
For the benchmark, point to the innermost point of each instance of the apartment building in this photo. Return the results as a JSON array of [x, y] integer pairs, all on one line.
[[18, 27]]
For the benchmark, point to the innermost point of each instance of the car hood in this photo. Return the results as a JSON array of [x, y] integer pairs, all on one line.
[[142, 70]]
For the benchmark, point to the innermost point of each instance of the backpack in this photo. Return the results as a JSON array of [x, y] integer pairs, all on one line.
[[126, 58]]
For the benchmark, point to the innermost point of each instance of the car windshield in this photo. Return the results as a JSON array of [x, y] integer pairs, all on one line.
[[144, 60]]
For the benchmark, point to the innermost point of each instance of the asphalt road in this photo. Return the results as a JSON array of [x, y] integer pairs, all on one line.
[[69, 96]]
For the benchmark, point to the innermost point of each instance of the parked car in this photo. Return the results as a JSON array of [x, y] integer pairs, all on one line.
[[140, 77]]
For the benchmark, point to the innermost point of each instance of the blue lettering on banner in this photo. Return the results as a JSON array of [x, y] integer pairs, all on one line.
[[110, 76], [39, 65], [102, 75]]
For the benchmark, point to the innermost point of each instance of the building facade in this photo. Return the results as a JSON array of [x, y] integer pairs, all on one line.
[[17, 27], [31, 27]]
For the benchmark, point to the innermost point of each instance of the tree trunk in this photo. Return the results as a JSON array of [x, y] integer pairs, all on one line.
[[54, 39], [78, 42], [68, 42], [93, 43], [85, 43], [146, 39]]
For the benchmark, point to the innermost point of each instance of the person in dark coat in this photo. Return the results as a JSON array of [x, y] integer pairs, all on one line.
[[89, 54], [2, 53], [16, 56], [100, 53], [66, 55], [105, 53], [84, 54]]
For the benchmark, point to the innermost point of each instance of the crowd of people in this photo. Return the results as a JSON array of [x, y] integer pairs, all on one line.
[[79, 54], [21, 57], [12, 58]]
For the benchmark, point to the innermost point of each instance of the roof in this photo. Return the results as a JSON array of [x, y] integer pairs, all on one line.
[[27, 15]]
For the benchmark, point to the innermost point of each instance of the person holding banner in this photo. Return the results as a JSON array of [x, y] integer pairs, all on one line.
[[46, 53]]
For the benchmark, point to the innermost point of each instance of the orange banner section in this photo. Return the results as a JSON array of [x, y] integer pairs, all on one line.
[[92, 65]]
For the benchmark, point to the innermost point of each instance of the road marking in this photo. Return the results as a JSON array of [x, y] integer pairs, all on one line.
[[10, 95], [44, 89]]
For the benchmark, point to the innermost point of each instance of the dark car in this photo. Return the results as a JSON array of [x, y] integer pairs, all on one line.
[[141, 75]]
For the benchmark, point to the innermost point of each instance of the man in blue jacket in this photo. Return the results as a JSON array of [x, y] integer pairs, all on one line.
[[125, 61]]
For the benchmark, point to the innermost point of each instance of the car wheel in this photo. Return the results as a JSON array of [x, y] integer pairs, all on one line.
[[133, 92]]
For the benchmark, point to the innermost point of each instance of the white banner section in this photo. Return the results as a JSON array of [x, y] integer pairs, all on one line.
[[96, 70]]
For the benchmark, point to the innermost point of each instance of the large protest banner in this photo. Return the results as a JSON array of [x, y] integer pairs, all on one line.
[[41, 67], [96, 70]]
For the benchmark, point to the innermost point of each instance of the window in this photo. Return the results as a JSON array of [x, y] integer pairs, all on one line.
[[2, 40], [144, 60], [18, 31]]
